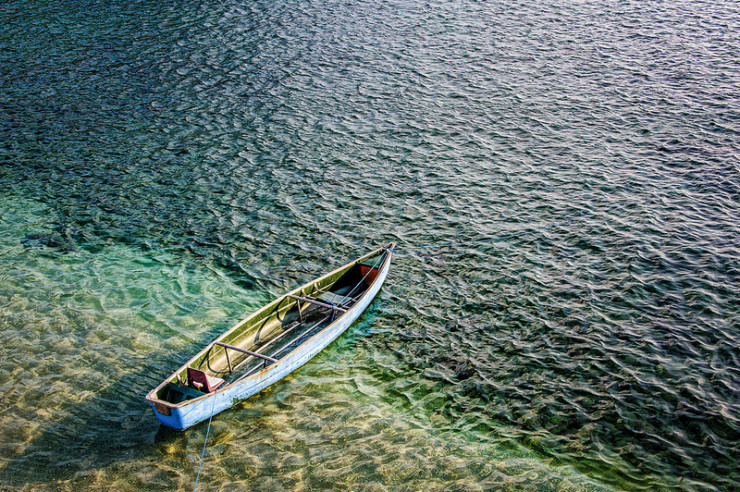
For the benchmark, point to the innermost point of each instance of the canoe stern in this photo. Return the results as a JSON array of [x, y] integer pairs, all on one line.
[[168, 415]]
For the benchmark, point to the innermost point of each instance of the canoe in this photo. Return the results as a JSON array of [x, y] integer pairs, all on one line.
[[270, 344]]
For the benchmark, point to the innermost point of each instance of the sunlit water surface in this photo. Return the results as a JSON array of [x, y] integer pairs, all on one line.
[[168, 167]]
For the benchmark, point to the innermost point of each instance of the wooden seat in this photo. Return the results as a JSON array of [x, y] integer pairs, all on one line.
[[200, 381]]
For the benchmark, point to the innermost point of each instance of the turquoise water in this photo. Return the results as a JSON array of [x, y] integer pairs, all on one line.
[[166, 168]]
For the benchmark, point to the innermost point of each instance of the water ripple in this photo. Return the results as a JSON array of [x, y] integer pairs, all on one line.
[[195, 160]]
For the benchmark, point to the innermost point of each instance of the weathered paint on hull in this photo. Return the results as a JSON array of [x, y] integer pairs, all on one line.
[[203, 408]]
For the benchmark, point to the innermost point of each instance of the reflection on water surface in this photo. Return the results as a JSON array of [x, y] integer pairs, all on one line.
[[166, 169]]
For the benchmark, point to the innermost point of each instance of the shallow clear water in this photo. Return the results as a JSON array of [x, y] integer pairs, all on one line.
[[167, 168]]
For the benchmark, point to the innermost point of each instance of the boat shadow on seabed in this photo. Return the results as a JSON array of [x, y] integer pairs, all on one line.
[[96, 438]]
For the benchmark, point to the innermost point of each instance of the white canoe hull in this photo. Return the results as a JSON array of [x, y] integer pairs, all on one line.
[[202, 408]]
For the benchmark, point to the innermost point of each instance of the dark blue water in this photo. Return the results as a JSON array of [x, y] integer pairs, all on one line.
[[166, 167]]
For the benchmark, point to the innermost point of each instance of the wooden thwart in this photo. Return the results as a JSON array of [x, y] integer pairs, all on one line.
[[238, 349], [284, 346], [318, 303]]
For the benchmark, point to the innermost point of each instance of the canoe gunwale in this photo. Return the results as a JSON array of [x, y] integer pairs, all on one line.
[[165, 407]]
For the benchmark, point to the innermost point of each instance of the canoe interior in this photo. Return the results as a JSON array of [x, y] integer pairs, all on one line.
[[276, 330]]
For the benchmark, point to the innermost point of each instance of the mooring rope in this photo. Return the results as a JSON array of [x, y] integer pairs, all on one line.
[[205, 441]]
